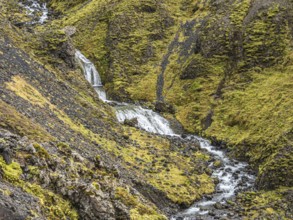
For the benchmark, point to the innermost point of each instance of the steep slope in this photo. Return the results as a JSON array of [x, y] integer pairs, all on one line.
[[223, 68], [64, 154]]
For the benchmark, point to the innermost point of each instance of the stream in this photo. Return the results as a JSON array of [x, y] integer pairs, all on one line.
[[36, 10], [233, 176]]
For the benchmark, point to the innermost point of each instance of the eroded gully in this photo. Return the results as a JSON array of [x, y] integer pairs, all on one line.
[[233, 176]]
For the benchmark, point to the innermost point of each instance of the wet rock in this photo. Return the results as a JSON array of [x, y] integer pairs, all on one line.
[[218, 205], [131, 122], [161, 106], [228, 170], [183, 135], [217, 164]]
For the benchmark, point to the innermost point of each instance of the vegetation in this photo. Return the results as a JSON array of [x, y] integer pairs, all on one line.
[[225, 68]]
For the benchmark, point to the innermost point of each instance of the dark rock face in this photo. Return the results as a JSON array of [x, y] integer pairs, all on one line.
[[148, 8], [161, 106], [7, 156], [66, 53], [206, 123], [16, 204], [194, 69]]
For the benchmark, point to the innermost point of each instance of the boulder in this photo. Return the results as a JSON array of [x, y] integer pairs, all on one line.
[[131, 122]]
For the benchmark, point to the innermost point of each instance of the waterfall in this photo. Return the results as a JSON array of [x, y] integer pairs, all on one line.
[[91, 74], [147, 119], [233, 176]]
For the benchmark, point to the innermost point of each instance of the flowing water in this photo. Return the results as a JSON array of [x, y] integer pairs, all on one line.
[[35, 9], [147, 119], [91, 74], [233, 176]]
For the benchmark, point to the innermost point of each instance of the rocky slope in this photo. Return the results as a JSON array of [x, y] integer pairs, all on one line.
[[64, 154], [222, 68]]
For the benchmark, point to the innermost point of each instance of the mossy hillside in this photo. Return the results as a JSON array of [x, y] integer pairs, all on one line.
[[218, 46], [11, 119], [61, 5], [29, 93], [262, 103], [183, 178], [275, 204], [138, 209], [53, 206], [88, 125], [245, 118], [194, 96], [237, 82], [199, 84], [267, 38], [132, 33]]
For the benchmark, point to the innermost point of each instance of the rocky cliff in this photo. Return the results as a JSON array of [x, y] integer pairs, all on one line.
[[222, 68]]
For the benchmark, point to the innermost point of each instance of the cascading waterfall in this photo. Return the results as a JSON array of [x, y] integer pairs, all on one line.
[[147, 119], [232, 175], [91, 74]]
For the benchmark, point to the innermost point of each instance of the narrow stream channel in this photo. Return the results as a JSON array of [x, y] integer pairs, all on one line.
[[36, 10], [233, 176]]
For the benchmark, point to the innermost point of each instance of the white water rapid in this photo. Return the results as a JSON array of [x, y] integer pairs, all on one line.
[[233, 176], [147, 119], [34, 8]]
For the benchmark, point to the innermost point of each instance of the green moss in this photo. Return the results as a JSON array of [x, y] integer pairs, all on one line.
[[41, 152], [127, 199], [53, 206], [10, 118], [26, 91], [64, 147], [245, 116], [165, 169], [239, 11], [12, 171], [138, 210], [265, 42], [266, 205]]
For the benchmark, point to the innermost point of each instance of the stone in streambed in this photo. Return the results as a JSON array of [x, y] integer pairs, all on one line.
[[131, 122], [217, 164]]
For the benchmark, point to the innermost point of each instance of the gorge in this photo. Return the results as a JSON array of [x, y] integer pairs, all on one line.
[[232, 175], [193, 120]]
